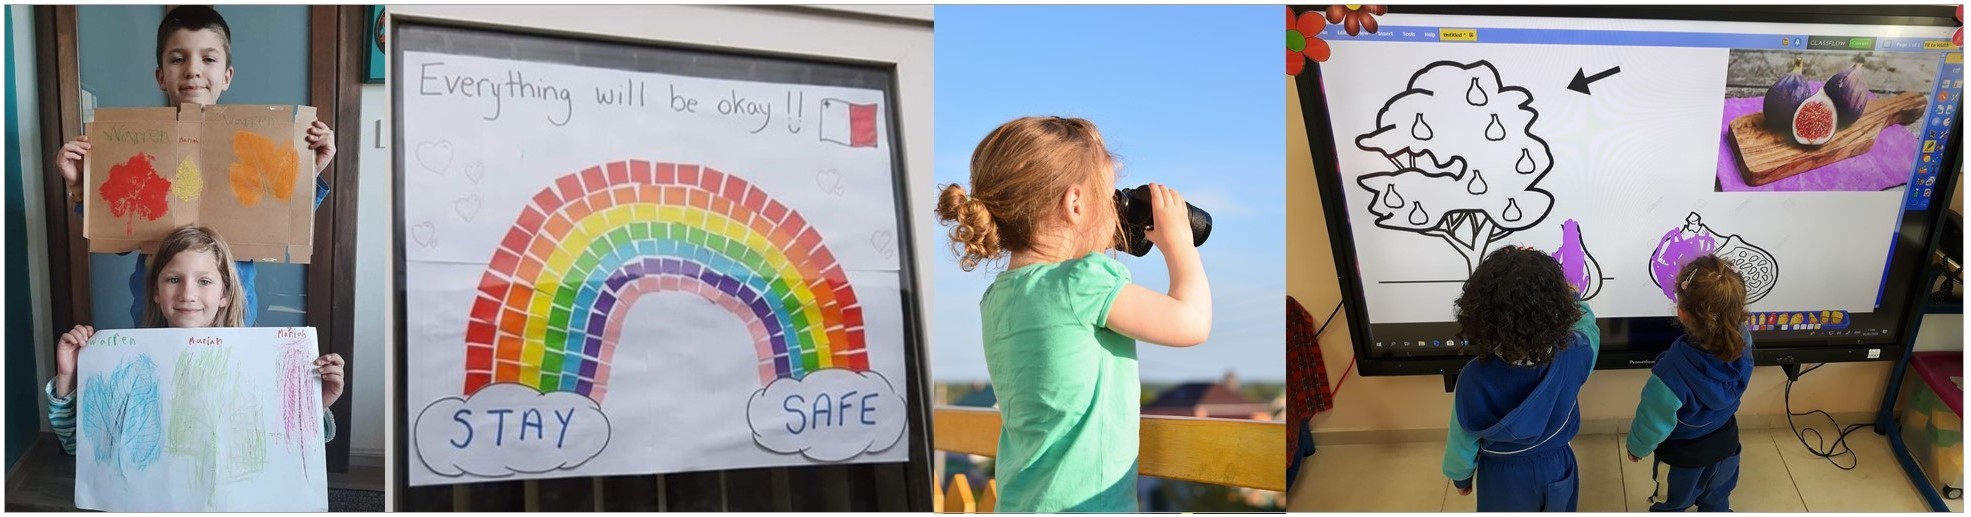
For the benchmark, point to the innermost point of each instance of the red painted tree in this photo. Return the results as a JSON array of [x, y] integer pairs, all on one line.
[[134, 189]]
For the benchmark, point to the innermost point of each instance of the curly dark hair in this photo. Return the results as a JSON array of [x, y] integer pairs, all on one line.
[[1517, 305]]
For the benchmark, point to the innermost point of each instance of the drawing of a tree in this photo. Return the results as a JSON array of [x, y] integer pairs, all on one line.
[[134, 189], [1466, 163], [125, 416], [262, 165], [196, 412]]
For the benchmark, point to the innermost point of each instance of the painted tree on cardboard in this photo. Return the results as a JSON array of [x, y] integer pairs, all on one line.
[[134, 189]]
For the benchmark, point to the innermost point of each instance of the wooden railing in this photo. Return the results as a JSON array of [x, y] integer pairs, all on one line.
[[1240, 453]]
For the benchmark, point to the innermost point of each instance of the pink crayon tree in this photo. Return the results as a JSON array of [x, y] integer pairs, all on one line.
[[1465, 162]]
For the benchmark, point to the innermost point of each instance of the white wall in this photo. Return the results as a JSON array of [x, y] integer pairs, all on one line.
[[891, 36], [373, 296], [1940, 333]]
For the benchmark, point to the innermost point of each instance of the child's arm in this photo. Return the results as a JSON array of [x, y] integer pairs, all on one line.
[[1656, 416], [68, 164], [321, 139], [61, 389], [1460, 453], [1586, 326], [1182, 318], [328, 426], [61, 418]]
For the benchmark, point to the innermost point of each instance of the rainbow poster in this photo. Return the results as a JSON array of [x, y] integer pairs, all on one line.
[[601, 289]]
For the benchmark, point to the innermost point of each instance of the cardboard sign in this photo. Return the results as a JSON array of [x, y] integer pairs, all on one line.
[[244, 171]]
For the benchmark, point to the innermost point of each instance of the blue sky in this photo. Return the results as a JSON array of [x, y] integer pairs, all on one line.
[[1192, 97]]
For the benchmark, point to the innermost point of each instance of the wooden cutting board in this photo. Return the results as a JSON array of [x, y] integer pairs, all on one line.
[[1764, 157]]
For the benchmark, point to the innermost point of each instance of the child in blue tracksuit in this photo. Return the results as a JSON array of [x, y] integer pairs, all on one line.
[[1686, 415], [1514, 409]]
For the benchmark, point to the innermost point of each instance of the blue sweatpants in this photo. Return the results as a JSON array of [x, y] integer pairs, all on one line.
[[1545, 481], [1707, 487]]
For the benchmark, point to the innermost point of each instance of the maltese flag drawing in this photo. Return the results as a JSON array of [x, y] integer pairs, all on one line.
[[849, 124]]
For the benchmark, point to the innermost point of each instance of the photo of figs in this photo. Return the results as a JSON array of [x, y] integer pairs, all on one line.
[[1800, 112], [1815, 121]]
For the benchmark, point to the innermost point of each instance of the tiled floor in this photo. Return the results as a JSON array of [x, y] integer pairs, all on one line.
[[1777, 474]]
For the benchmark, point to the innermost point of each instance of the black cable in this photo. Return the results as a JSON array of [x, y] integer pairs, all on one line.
[[1827, 451], [1324, 324]]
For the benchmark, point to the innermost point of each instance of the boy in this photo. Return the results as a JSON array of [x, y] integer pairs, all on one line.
[[194, 65]]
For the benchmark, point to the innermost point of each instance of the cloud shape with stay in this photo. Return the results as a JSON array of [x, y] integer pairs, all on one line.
[[508, 429]]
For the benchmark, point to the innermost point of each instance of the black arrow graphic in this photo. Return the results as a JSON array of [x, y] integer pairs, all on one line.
[[1580, 83]]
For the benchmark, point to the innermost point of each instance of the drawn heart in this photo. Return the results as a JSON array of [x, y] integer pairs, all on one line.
[[468, 207], [830, 181], [435, 156], [475, 172], [885, 243], [424, 234]]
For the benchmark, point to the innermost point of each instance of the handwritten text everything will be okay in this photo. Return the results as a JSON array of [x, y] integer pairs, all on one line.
[[435, 79]]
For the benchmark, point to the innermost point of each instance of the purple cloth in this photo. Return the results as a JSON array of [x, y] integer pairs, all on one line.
[[1888, 164]]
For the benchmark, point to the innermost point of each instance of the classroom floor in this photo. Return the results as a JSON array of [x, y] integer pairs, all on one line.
[[1777, 474]]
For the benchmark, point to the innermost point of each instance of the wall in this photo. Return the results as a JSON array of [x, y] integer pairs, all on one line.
[[374, 300], [1418, 407], [27, 324], [33, 174]]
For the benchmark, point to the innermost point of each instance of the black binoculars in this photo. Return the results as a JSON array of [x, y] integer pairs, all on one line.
[[1133, 208]]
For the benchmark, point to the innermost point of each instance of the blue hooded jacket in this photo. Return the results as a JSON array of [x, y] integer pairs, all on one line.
[[1690, 394], [1520, 410]]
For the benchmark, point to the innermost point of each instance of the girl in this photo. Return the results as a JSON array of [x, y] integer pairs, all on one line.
[[193, 284], [1060, 325], [1514, 410], [1686, 417]]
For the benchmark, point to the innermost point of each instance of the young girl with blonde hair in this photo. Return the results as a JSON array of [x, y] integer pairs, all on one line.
[[1060, 325], [193, 284], [1688, 414]]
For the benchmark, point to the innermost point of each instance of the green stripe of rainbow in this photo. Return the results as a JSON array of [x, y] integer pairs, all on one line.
[[550, 308]]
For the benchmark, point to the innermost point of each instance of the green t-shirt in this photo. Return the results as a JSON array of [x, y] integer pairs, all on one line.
[[1067, 387]]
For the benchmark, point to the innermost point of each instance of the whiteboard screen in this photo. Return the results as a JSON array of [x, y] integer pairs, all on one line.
[[1626, 149]]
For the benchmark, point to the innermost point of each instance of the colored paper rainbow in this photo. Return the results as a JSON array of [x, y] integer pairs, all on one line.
[[551, 306]]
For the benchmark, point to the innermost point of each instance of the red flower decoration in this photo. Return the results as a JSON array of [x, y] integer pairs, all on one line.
[[1957, 38], [1304, 40], [1356, 18]]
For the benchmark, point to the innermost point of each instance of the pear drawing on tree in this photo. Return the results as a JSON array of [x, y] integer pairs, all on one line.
[[1464, 163]]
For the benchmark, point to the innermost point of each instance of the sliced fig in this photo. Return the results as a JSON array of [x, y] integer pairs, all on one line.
[[1815, 121], [1784, 98]]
